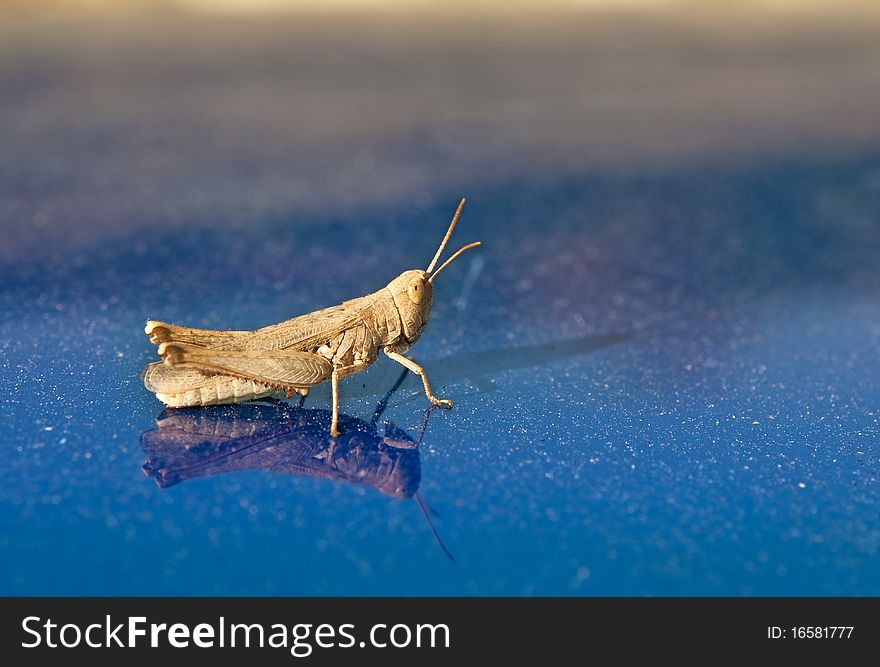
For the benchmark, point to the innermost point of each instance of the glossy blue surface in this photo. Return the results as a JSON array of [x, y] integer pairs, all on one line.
[[665, 377]]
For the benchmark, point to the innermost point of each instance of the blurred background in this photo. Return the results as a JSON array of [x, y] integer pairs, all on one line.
[[664, 358]]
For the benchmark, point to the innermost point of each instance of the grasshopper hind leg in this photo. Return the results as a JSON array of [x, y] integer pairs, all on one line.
[[162, 332]]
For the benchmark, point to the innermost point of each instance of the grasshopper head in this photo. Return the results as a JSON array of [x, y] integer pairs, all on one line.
[[413, 290], [413, 293]]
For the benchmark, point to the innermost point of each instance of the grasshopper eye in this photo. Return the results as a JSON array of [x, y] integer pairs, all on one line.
[[415, 291]]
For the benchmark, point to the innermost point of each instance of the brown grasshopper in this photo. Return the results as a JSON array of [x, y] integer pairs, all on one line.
[[210, 367]]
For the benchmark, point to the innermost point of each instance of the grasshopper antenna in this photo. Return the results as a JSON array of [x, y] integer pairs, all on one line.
[[446, 238], [454, 255], [423, 506]]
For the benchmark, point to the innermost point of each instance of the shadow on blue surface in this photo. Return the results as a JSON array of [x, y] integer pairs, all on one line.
[[479, 367]]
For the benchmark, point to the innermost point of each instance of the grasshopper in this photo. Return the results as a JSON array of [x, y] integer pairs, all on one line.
[[210, 367]]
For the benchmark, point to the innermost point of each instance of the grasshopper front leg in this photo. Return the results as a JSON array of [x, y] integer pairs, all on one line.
[[411, 365]]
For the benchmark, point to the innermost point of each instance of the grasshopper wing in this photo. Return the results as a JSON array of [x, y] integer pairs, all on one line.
[[162, 379], [183, 386], [306, 331], [277, 368]]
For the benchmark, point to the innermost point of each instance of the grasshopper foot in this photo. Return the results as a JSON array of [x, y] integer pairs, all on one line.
[[442, 402]]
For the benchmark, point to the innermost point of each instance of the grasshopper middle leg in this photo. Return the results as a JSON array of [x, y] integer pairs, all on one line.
[[411, 365]]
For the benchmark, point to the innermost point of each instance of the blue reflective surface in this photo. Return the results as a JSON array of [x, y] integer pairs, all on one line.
[[666, 383]]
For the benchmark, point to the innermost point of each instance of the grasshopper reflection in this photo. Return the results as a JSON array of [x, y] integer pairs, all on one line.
[[280, 437]]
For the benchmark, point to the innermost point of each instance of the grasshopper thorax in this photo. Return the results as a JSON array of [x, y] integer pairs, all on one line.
[[412, 293]]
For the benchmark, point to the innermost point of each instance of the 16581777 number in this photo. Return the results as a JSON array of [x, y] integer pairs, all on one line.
[[821, 632]]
